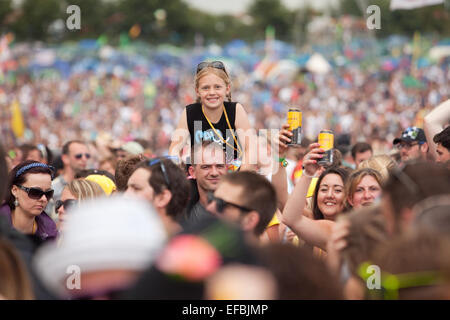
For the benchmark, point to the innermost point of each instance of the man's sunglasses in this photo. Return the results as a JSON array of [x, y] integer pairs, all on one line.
[[163, 167], [80, 155], [67, 204], [222, 204], [214, 64], [407, 146], [36, 193]]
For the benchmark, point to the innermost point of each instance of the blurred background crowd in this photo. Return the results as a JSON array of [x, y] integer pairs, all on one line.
[[87, 117]]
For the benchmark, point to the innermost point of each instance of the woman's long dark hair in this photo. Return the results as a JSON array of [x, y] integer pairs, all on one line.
[[342, 172]]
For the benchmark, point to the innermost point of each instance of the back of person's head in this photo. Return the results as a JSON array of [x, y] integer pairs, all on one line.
[[106, 235], [3, 173], [124, 170], [258, 194], [18, 176], [66, 147], [84, 189], [31, 152], [176, 183], [381, 163], [443, 138], [340, 171], [299, 275], [14, 281], [414, 183], [417, 266], [433, 214], [360, 147], [367, 231]]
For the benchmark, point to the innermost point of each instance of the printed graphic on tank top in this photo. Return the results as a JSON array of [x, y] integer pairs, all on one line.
[[201, 130]]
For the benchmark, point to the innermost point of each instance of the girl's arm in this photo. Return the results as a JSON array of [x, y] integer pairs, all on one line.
[[180, 136], [248, 139], [314, 232]]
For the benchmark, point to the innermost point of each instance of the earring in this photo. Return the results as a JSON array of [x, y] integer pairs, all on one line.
[[16, 203]]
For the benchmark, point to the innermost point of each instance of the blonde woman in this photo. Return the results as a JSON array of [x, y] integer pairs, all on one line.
[[75, 192]]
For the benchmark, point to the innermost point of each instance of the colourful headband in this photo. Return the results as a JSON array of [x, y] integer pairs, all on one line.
[[34, 165]]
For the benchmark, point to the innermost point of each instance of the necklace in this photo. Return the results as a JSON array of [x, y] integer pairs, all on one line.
[[239, 150]]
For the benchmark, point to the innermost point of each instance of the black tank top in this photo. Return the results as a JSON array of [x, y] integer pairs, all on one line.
[[200, 130]]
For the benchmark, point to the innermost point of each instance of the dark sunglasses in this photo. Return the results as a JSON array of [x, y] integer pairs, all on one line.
[[222, 204], [80, 155], [214, 64], [36, 193], [67, 204], [163, 167]]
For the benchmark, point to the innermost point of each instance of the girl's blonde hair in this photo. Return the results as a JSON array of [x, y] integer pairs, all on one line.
[[84, 189], [218, 72], [381, 163]]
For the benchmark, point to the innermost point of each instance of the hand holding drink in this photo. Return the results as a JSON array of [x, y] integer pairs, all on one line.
[[295, 126], [326, 142]]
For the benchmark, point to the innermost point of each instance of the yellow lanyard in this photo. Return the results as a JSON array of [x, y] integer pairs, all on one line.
[[229, 126]]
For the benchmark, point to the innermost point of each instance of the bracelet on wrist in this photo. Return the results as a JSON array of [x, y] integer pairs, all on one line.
[[283, 162]]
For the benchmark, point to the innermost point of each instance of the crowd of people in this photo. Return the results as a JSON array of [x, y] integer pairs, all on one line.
[[226, 212]]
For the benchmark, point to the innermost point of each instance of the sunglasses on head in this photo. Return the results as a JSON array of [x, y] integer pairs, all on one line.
[[67, 204], [222, 204], [214, 64], [163, 167], [36, 193], [80, 155]]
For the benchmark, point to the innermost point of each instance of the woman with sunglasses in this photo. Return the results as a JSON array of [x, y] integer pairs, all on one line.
[[29, 190], [214, 117], [76, 192]]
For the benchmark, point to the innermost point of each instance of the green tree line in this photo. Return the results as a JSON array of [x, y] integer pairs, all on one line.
[[174, 21]]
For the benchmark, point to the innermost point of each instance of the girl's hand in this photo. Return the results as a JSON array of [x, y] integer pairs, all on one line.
[[310, 165], [284, 137]]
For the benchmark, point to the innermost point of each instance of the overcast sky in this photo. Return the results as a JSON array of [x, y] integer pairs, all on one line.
[[239, 6]]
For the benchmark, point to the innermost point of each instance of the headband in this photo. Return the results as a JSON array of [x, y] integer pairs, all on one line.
[[34, 165]]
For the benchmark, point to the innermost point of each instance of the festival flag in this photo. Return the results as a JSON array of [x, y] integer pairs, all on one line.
[[413, 4], [17, 124]]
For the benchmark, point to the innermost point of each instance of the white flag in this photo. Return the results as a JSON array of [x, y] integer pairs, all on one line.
[[412, 4]]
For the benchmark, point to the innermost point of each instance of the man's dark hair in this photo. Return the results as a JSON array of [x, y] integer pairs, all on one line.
[[176, 183], [443, 138], [66, 146], [27, 148], [259, 195], [124, 170], [299, 274], [360, 147], [416, 182]]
